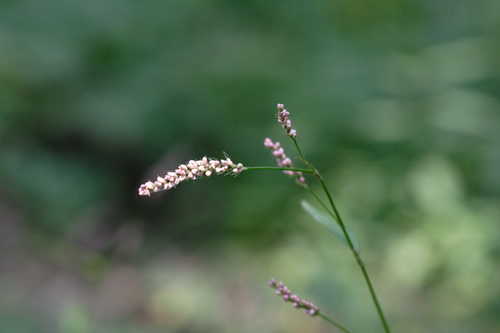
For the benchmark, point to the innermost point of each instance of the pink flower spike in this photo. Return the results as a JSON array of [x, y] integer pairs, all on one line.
[[285, 121], [268, 143], [204, 167], [297, 302], [282, 160]]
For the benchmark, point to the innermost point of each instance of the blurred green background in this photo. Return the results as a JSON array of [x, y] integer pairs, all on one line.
[[396, 101]]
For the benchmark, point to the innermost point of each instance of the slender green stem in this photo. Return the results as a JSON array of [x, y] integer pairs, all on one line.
[[337, 217], [339, 220], [301, 155], [310, 171], [333, 322], [357, 257]]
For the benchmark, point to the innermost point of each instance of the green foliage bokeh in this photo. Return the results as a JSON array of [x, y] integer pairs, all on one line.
[[396, 101]]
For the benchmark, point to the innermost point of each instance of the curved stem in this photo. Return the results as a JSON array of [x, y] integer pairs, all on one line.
[[301, 155], [339, 220], [359, 261], [333, 322], [310, 171]]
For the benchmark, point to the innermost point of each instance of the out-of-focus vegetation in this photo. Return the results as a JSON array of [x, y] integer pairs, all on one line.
[[397, 101]]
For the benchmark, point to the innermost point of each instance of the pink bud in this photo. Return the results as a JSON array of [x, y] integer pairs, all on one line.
[[268, 143], [312, 312]]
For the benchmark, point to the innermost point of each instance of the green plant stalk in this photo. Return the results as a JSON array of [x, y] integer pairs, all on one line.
[[339, 220], [333, 322], [337, 217], [309, 171]]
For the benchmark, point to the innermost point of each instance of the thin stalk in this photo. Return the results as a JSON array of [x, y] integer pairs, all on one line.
[[310, 171], [359, 261], [333, 322], [355, 253]]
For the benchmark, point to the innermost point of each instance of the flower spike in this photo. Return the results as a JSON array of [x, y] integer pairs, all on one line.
[[296, 301], [282, 160], [284, 120], [191, 171]]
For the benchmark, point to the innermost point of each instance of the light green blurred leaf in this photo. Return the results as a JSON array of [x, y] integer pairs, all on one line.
[[74, 319], [328, 221]]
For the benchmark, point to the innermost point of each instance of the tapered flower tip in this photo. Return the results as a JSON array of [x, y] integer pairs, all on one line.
[[268, 143], [284, 120], [272, 283]]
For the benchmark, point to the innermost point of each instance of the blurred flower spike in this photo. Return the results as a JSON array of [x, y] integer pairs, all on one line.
[[296, 301], [282, 160], [191, 171]]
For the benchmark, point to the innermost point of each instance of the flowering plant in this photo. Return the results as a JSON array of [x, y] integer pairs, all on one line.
[[207, 167]]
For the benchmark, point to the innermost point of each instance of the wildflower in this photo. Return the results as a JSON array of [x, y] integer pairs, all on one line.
[[282, 160], [285, 121], [296, 301], [191, 171]]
